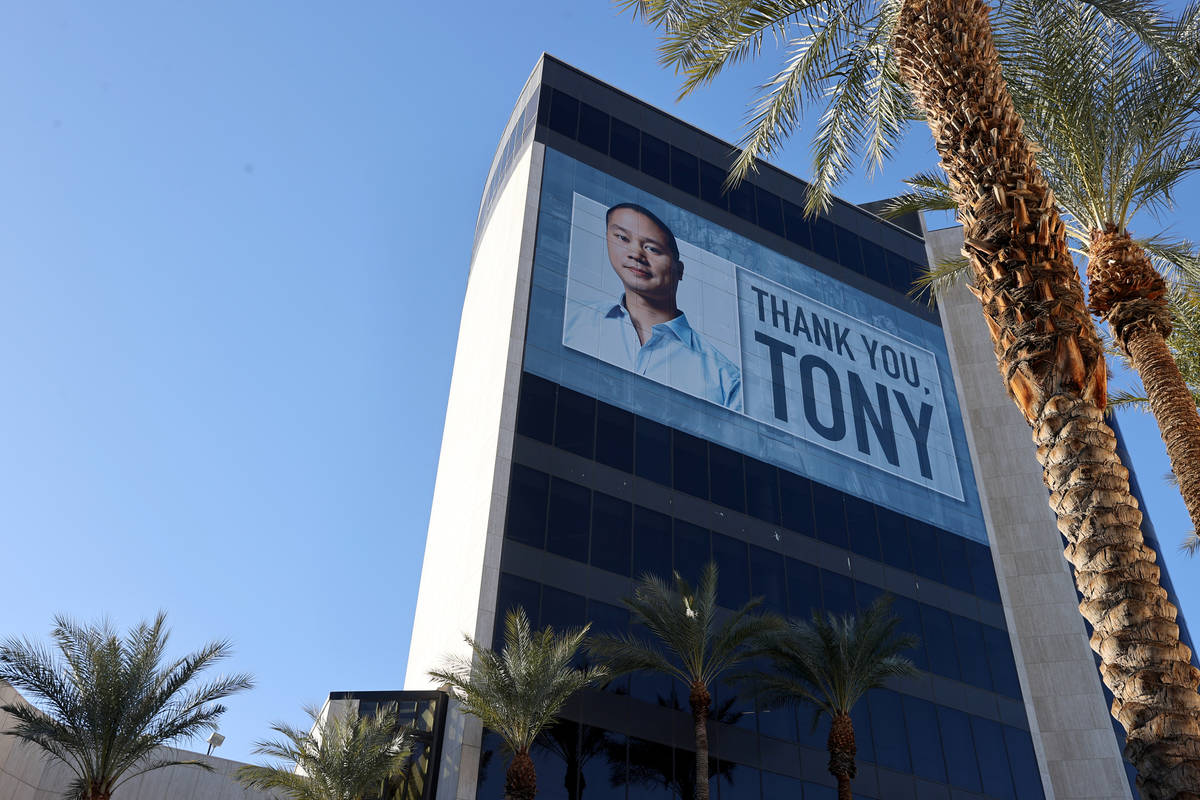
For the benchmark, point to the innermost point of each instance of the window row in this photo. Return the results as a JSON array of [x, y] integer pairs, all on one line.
[[602, 132], [504, 163], [616, 438]]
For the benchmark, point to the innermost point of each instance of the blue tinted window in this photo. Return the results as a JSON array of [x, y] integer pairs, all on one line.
[[823, 234], [939, 641], [768, 579], [804, 589], [923, 540], [564, 114], [972, 657], [562, 610], [860, 524], [796, 225], [655, 158], [685, 173], [1026, 779], [575, 423], [691, 550], [739, 782], [527, 506], [860, 715], [959, 747], [770, 213], [902, 272], [741, 201], [535, 412], [924, 741], [909, 613], [733, 580], [865, 595], [555, 756], [781, 787], [983, 572], [848, 253], [652, 451], [651, 770], [795, 497], [593, 128], [712, 178], [874, 262], [612, 533], [815, 791], [726, 479], [603, 771], [893, 539], [570, 513], [762, 491], [691, 464], [993, 758], [651, 543], [778, 722], [829, 515], [513, 593], [954, 560], [493, 763], [813, 727], [614, 437], [623, 143], [1000, 659], [888, 731], [838, 593]]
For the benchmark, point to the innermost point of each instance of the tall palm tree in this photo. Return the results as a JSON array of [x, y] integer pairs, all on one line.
[[691, 643], [520, 690], [830, 664], [104, 704], [871, 61], [341, 757]]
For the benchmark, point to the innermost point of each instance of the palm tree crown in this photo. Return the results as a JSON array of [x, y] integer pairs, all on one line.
[[105, 704], [342, 757]]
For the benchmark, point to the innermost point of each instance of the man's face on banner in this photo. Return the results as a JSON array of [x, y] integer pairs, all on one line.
[[640, 255]]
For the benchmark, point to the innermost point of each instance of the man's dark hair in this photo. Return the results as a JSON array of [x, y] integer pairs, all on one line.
[[671, 244]]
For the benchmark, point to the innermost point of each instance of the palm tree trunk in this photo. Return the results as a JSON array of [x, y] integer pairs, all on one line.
[[842, 751], [1053, 364], [700, 700], [520, 782], [1129, 293]]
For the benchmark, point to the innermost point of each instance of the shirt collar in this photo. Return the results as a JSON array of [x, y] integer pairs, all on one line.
[[678, 326]]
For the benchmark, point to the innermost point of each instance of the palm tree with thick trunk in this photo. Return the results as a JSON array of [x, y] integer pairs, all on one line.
[[340, 757], [829, 664], [519, 691], [106, 705], [692, 641], [871, 61]]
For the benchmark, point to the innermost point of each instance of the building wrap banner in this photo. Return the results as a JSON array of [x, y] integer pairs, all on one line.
[[650, 303]]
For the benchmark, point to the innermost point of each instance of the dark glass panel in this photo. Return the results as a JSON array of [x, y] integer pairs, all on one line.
[[924, 740], [865, 595], [656, 158], [575, 423], [712, 178], [612, 533], [685, 173], [797, 227], [544, 105], [993, 758], [838, 593], [562, 609], [570, 513], [778, 722], [874, 262], [983, 572], [691, 464], [741, 201], [972, 657], [959, 748], [816, 791], [614, 437], [725, 477], [829, 515], [535, 412], [954, 560], [902, 272], [513, 593], [812, 727], [860, 524], [602, 765], [804, 589], [564, 114], [768, 579], [652, 451], [733, 577], [781, 787], [770, 213], [691, 550], [593, 128], [623, 143], [613, 621], [939, 641], [849, 256], [795, 498], [1000, 658], [860, 715], [739, 782], [1026, 779], [556, 758], [651, 543], [909, 612], [651, 770], [527, 506], [762, 491], [824, 237], [888, 731], [922, 538], [893, 539], [493, 763], [653, 687], [734, 705]]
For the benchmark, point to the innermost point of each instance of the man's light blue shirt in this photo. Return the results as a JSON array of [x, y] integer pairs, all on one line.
[[674, 354]]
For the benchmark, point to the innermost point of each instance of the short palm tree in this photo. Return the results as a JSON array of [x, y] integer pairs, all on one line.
[[830, 664], [104, 704], [341, 757], [519, 691], [691, 643]]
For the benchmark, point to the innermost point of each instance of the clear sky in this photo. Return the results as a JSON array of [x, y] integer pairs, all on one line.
[[233, 248]]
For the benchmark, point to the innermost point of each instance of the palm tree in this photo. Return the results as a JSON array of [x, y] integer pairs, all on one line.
[[872, 62], [830, 664], [341, 757], [691, 643], [520, 690], [104, 705]]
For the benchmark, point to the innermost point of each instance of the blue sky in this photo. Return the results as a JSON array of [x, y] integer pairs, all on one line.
[[233, 251]]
